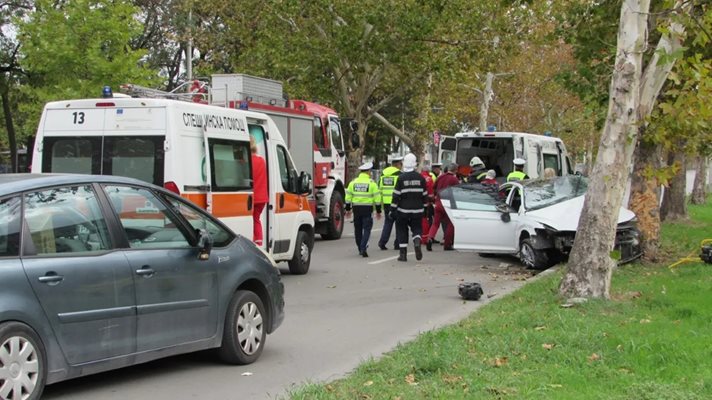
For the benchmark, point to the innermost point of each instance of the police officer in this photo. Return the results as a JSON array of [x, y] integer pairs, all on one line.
[[479, 171], [386, 185], [410, 197], [518, 173], [437, 170], [362, 195]]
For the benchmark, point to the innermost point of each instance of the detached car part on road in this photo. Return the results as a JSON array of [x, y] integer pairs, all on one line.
[[101, 272], [536, 219]]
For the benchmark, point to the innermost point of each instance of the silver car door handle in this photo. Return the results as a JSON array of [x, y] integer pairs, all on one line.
[[145, 271], [54, 278]]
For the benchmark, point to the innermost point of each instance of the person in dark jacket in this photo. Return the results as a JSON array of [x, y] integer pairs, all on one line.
[[478, 172], [410, 197]]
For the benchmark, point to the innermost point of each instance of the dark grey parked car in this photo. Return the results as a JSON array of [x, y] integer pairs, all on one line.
[[102, 272]]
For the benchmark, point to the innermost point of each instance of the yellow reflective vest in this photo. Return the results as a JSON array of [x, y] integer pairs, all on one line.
[[363, 191], [517, 176], [387, 183]]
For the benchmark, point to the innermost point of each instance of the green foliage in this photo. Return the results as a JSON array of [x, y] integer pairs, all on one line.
[[651, 341], [72, 49]]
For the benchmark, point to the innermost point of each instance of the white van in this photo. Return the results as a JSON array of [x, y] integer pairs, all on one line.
[[201, 152], [499, 149]]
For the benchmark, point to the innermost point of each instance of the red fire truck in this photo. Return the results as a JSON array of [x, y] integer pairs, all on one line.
[[313, 134]]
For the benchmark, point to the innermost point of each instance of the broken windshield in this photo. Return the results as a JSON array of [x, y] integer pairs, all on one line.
[[543, 193]]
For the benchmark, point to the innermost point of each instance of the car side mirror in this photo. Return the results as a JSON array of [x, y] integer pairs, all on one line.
[[504, 212], [205, 245], [304, 185]]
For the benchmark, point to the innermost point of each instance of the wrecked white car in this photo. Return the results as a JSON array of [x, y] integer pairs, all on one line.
[[535, 219]]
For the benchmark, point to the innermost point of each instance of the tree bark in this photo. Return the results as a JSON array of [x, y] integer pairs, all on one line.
[[9, 125], [699, 191], [674, 206], [588, 272], [644, 197], [486, 98]]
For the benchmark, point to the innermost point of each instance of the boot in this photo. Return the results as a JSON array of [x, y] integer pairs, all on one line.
[[429, 245], [403, 255], [418, 250]]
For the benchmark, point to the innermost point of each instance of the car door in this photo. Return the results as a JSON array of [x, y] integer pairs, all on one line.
[[478, 224], [85, 288], [176, 293]]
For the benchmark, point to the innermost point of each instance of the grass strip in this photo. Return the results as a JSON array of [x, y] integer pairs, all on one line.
[[652, 340]]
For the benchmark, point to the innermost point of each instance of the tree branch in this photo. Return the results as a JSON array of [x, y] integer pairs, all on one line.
[[400, 134]]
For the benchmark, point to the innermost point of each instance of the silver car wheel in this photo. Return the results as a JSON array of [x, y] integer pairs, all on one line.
[[249, 328], [19, 368], [304, 253], [526, 255]]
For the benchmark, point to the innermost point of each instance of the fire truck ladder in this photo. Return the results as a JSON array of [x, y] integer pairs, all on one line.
[[193, 91]]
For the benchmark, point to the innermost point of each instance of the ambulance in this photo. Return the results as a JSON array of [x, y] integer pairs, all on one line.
[[499, 149], [199, 151]]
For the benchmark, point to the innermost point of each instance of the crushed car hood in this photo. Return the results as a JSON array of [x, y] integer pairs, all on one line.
[[565, 216]]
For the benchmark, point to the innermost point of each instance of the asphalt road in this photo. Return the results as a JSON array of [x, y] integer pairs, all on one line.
[[345, 310]]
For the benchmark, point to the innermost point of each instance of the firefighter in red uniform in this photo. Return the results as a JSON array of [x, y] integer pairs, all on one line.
[[429, 183], [444, 181], [259, 196]]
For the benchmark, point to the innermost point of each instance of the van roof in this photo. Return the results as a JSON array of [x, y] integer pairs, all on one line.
[[119, 102], [480, 134]]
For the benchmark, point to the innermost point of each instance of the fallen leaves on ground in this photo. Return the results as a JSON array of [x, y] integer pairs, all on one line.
[[452, 378], [594, 357], [540, 328], [368, 383], [548, 346], [410, 379], [500, 361]]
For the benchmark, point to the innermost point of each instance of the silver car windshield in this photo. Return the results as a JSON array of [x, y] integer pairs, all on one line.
[[543, 193]]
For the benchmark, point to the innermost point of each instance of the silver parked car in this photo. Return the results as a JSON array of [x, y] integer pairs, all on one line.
[[535, 219], [102, 272]]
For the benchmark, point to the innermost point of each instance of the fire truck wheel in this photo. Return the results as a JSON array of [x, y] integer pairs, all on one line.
[[335, 225], [299, 264]]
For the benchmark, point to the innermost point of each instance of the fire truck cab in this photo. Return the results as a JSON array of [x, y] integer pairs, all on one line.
[[313, 134], [200, 151]]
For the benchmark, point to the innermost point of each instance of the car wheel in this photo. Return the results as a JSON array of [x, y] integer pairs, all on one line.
[[22, 362], [533, 258], [335, 224], [299, 264], [245, 330]]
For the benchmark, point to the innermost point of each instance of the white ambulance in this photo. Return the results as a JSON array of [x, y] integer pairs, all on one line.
[[499, 149], [200, 151]]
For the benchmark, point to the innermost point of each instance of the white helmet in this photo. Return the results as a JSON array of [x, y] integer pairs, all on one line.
[[475, 161], [409, 162]]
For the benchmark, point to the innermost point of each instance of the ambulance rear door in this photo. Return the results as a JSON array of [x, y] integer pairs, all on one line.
[[210, 162]]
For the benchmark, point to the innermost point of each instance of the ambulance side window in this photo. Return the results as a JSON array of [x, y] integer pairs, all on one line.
[[287, 173], [230, 165]]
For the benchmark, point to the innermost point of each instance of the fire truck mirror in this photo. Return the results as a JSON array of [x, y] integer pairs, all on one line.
[[305, 183]]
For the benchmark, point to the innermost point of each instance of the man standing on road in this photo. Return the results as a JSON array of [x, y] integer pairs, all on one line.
[[386, 185], [410, 197], [362, 195], [429, 182], [518, 173], [437, 171], [260, 196], [445, 181]]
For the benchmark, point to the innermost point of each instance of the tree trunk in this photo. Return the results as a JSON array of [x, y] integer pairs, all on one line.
[[674, 206], [699, 191], [7, 114], [645, 197], [486, 98], [590, 264]]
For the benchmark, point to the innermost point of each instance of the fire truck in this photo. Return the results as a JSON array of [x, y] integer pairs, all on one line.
[[313, 134]]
